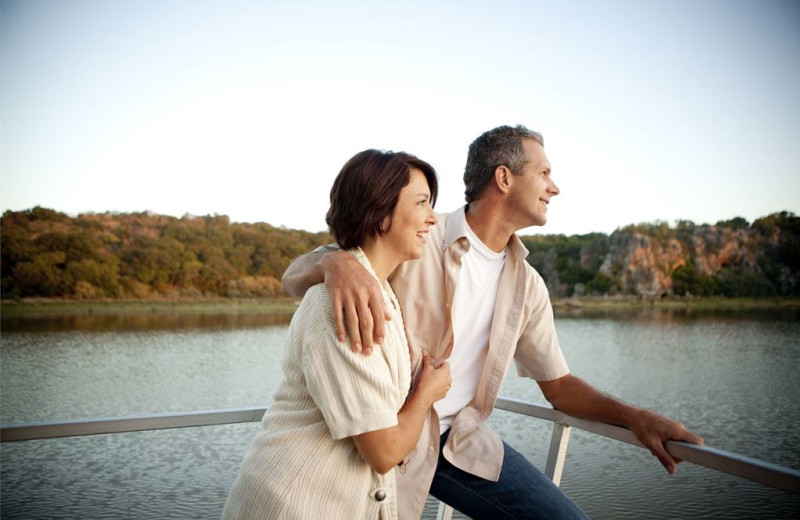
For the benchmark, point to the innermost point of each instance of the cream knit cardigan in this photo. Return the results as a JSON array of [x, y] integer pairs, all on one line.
[[303, 464]]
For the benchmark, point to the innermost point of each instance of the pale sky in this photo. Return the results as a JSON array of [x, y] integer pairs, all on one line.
[[650, 110]]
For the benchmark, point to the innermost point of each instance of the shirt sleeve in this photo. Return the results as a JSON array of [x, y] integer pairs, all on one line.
[[355, 393], [328, 248], [538, 354]]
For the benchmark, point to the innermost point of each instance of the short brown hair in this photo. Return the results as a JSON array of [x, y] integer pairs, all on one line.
[[366, 191]]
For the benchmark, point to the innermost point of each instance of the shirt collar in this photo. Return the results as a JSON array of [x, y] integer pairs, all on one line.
[[456, 228]]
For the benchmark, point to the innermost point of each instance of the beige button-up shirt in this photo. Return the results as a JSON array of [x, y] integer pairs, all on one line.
[[522, 330]]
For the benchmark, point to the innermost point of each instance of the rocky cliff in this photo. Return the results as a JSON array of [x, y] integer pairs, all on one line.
[[730, 258]]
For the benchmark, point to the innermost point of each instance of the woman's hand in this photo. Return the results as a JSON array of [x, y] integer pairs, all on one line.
[[384, 449], [434, 382]]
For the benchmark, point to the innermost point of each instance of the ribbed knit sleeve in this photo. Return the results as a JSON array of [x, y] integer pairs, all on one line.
[[355, 393]]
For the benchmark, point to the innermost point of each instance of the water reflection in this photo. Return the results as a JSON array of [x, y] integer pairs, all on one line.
[[142, 322], [165, 320], [731, 376], [649, 313]]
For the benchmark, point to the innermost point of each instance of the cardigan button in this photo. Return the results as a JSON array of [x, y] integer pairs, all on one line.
[[380, 495]]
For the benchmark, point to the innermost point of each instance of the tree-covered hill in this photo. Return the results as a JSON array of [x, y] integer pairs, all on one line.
[[46, 253], [140, 255]]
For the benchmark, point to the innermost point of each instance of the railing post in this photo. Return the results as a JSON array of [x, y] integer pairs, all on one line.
[[558, 452], [444, 512]]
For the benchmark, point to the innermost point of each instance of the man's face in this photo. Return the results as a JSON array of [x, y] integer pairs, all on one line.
[[533, 188]]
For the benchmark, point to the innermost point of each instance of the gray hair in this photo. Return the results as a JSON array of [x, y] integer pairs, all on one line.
[[501, 146]]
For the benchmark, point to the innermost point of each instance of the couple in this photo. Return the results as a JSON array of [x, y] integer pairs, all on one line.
[[343, 440]]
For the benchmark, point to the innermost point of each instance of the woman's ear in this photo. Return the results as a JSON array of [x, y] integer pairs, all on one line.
[[386, 224]]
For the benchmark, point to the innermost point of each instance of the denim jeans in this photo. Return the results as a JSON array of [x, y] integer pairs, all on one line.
[[522, 491]]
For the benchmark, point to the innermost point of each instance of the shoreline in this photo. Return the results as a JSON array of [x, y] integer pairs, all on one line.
[[635, 303], [285, 305], [51, 307]]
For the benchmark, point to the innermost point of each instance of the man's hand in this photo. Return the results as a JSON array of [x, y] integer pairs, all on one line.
[[575, 397], [654, 430], [358, 308]]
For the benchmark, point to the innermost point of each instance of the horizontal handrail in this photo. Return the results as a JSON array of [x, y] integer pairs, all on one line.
[[161, 421], [767, 473]]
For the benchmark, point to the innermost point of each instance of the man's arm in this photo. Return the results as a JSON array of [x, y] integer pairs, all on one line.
[[303, 272], [575, 397], [358, 307]]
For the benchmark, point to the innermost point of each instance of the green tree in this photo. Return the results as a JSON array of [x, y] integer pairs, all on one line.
[[44, 275]]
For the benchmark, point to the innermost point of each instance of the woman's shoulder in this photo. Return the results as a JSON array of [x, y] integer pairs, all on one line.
[[317, 293], [317, 301]]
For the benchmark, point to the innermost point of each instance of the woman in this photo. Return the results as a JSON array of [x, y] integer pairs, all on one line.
[[341, 421]]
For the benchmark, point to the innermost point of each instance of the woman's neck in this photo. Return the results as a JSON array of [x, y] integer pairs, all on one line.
[[382, 260]]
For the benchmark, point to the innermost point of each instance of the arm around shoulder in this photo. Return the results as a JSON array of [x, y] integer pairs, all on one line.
[[305, 271], [358, 309]]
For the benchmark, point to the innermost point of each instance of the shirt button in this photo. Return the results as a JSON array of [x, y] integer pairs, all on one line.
[[380, 495]]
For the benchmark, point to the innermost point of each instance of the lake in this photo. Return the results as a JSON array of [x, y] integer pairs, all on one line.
[[730, 377]]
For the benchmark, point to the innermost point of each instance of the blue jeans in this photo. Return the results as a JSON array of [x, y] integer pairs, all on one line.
[[522, 491]]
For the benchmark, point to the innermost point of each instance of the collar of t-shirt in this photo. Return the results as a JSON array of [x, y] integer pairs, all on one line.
[[481, 248]]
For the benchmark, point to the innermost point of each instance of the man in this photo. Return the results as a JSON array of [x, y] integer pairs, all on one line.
[[475, 302]]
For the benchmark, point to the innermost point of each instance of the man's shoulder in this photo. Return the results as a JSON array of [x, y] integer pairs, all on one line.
[[440, 227], [531, 281]]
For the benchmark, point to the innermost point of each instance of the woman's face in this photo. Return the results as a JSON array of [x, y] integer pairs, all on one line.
[[411, 218]]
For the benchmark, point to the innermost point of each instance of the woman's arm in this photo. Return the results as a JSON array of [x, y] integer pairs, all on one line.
[[384, 449]]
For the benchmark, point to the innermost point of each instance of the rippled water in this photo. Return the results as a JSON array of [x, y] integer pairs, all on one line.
[[731, 378]]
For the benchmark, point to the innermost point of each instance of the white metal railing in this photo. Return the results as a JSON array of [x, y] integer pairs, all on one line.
[[766, 473], [52, 430]]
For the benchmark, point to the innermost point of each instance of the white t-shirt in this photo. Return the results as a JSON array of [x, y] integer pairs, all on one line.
[[473, 308]]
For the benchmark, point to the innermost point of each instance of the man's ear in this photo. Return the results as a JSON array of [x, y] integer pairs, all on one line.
[[503, 178]]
